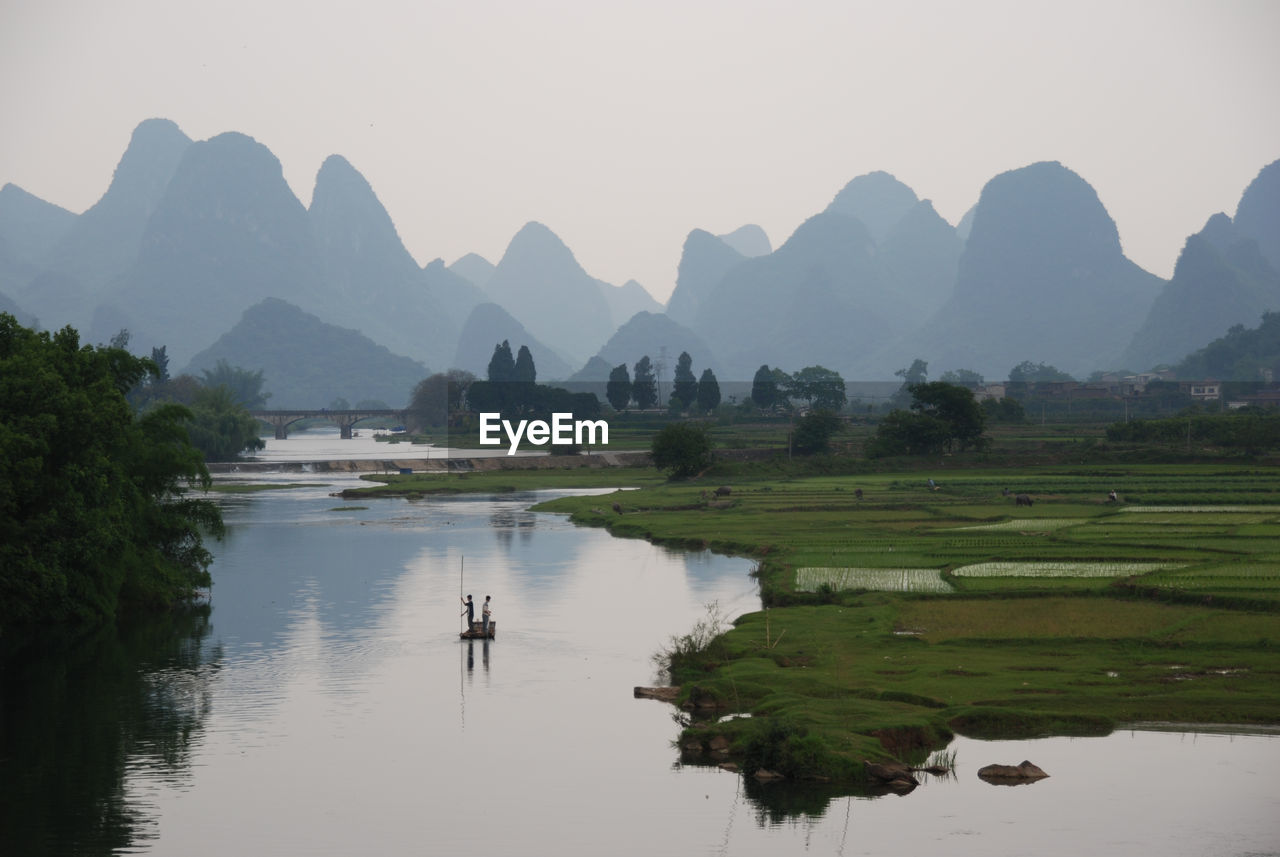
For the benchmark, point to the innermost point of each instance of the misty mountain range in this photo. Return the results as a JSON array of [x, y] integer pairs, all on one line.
[[202, 247]]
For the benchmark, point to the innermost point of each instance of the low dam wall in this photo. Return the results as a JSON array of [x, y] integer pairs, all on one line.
[[438, 465]]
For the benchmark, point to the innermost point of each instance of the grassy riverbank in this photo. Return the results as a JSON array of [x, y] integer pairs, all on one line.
[[904, 614]]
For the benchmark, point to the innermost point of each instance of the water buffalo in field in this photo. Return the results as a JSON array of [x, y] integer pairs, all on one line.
[[723, 491], [1022, 500]]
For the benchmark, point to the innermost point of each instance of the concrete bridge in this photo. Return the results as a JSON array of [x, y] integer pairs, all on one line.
[[281, 420]]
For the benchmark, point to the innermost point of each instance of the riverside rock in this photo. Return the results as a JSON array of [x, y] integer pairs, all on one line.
[[1012, 774]]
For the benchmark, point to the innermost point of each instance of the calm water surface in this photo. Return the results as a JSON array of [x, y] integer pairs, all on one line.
[[328, 707]]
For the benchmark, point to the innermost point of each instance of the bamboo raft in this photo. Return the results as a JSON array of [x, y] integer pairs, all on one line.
[[476, 631]]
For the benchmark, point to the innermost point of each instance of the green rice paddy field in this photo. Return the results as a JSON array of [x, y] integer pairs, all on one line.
[[906, 613]]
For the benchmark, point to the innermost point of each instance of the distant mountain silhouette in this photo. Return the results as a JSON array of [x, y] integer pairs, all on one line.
[[591, 376], [1221, 279], [307, 363], [29, 226], [103, 243], [877, 199], [1042, 278], [377, 287], [227, 233], [824, 297], [191, 234], [922, 252], [9, 305], [477, 269], [456, 294], [704, 261], [29, 229], [651, 333], [490, 324], [626, 300], [749, 240], [1258, 214], [539, 282]]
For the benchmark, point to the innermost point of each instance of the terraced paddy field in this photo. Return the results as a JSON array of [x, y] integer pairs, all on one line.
[[898, 614]]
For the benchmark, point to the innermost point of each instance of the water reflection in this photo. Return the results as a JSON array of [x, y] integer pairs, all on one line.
[[81, 717], [509, 521], [328, 706]]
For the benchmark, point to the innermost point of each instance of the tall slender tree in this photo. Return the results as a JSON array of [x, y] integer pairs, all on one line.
[[708, 391], [644, 386], [764, 388], [618, 390], [685, 389]]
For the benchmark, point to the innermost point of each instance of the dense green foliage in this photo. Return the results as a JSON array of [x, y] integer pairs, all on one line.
[[819, 387], [1239, 355], [1252, 432], [437, 397], [683, 448], [1027, 372], [814, 430], [244, 385], [92, 513], [943, 417], [221, 427]]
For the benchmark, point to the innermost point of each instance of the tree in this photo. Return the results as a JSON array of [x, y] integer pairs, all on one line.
[[245, 386], [339, 403], [524, 372], [955, 406], [683, 448], [1027, 372], [916, 373], [160, 357], [764, 388], [708, 391], [502, 366], [93, 514], [429, 403], [685, 389], [963, 377], [524, 377], [904, 432], [1005, 410], [941, 417], [814, 430], [220, 427], [822, 388], [644, 387], [618, 390]]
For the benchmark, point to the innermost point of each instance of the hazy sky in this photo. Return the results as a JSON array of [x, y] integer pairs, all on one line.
[[624, 125]]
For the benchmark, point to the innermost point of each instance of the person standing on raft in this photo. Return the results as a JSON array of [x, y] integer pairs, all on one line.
[[470, 610], [484, 614]]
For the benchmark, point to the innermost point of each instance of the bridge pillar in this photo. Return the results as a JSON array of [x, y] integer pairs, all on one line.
[[345, 422], [281, 426]]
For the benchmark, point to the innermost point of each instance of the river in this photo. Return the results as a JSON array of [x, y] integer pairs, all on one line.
[[326, 706]]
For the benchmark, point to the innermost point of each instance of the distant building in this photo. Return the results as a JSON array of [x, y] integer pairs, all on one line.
[[1203, 391]]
